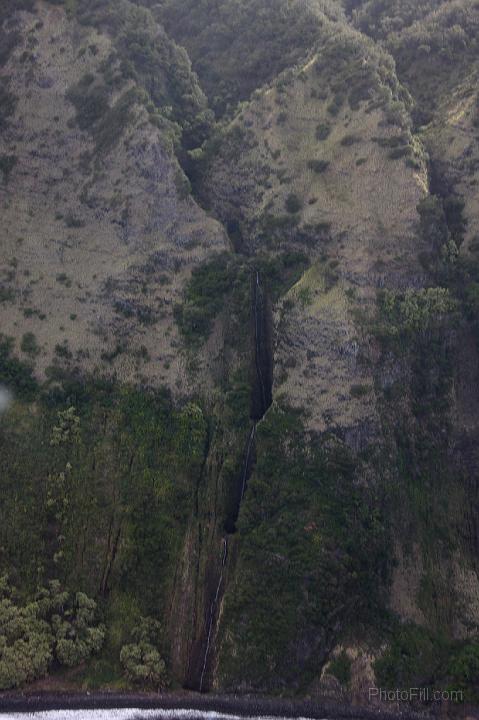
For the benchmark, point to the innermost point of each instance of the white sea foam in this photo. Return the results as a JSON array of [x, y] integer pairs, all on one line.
[[132, 714]]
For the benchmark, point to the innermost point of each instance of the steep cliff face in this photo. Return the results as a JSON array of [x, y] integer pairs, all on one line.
[[327, 160], [441, 39], [301, 168], [250, 407]]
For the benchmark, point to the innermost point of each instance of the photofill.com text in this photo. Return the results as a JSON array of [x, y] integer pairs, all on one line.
[[424, 694]]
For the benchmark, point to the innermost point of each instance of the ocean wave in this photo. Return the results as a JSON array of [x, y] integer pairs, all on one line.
[[134, 714]]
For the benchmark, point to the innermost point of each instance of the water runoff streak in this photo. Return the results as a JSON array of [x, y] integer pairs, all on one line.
[[258, 322], [260, 401], [247, 460], [213, 609]]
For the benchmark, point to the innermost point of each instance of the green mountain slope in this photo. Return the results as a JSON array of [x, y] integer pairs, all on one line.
[[238, 46], [239, 345]]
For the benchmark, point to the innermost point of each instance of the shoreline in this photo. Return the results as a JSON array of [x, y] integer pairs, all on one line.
[[240, 705]]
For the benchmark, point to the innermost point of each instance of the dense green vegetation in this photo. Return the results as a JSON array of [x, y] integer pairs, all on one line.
[[417, 416], [239, 45], [141, 660], [144, 53], [205, 296], [55, 628], [380, 19], [97, 483], [355, 70], [433, 43], [340, 668], [417, 657], [415, 310], [313, 555], [225, 283]]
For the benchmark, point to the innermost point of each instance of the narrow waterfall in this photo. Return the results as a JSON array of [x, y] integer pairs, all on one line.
[[258, 322], [262, 379], [213, 609], [247, 460], [261, 398]]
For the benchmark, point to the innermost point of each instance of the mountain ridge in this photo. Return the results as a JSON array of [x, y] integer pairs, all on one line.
[[148, 189]]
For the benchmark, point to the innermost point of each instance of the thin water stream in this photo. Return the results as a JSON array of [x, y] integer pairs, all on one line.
[[258, 409]]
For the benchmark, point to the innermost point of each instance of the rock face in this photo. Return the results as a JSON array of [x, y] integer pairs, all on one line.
[[282, 303], [98, 232], [301, 166]]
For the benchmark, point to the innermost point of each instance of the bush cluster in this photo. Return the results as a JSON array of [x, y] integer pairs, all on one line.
[[55, 627]]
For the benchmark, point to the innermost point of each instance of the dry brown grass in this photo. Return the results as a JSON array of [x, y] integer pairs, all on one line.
[[132, 241]]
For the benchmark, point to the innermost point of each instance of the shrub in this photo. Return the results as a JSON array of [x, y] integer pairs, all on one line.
[[472, 300], [464, 670], [340, 667], [318, 166], [432, 220], [323, 131], [62, 351], [63, 279], [90, 101], [6, 294], [71, 221], [68, 428], [114, 122], [130, 308], [29, 344], [293, 204], [336, 104], [358, 391], [400, 152], [454, 212], [204, 296], [8, 42], [416, 310], [27, 656], [76, 635], [414, 657], [8, 103], [350, 139], [141, 660], [55, 625], [143, 664], [7, 163]]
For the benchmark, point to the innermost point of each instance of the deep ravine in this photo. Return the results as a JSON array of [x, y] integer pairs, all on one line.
[[261, 398]]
